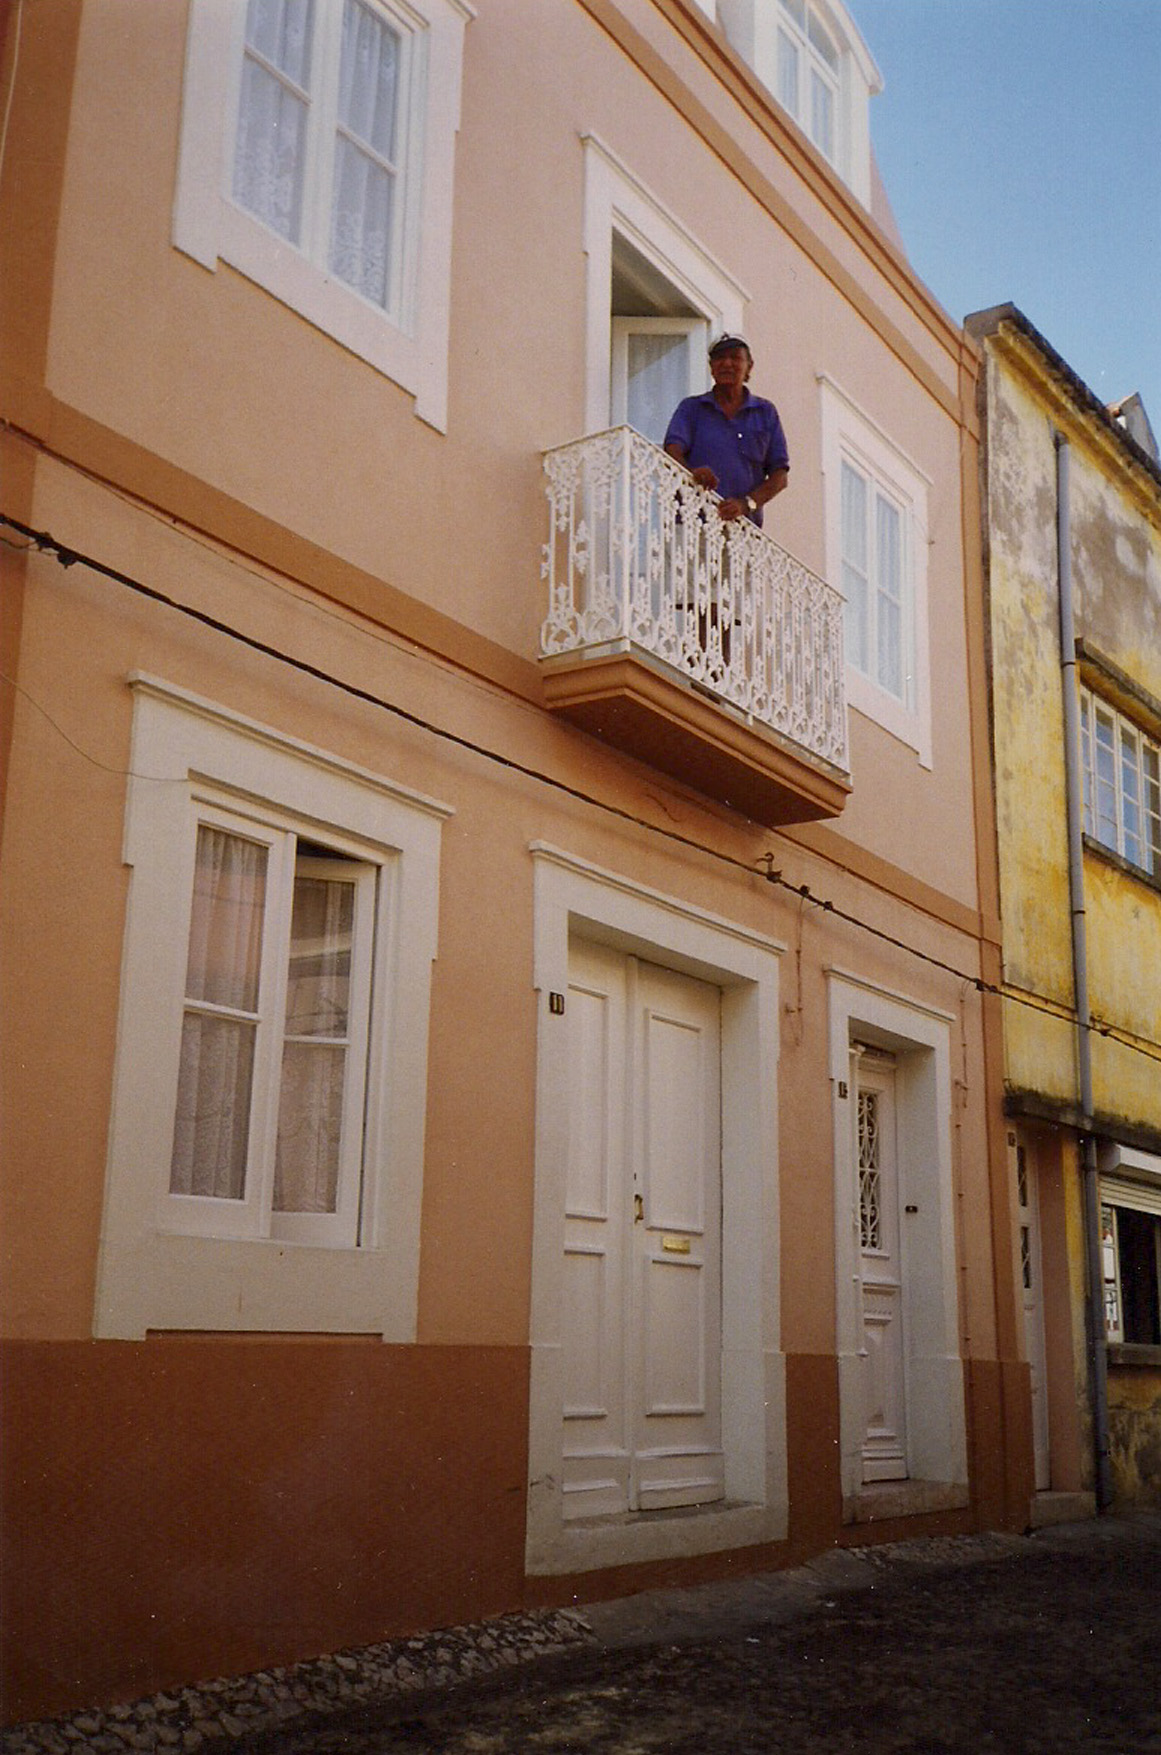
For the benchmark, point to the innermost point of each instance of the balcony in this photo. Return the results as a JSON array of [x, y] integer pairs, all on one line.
[[699, 647]]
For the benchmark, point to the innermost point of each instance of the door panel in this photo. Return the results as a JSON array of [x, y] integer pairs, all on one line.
[[642, 1334], [1029, 1221], [885, 1439]]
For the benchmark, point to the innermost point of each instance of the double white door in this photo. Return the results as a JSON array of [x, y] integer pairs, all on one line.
[[642, 1243]]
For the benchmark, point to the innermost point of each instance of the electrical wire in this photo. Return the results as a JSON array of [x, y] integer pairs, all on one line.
[[44, 542]]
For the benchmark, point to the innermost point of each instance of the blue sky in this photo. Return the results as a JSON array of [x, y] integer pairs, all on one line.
[[1020, 144]]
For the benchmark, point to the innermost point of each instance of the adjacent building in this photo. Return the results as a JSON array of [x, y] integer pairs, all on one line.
[[502, 1077], [1072, 495]]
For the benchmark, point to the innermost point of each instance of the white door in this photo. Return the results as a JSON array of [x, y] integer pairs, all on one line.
[[1029, 1223], [642, 1277], [884, 1341]]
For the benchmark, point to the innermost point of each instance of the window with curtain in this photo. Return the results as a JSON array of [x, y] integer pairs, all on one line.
[[320, 150], [808, 69], [873, 582], [268, 1126], [1122, 784]]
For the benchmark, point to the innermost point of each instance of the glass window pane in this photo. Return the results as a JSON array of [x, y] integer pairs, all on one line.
[[1130, 797], [658, 378], [310, 1128], [270, 155], [280, 31], [787, 73], [314, 1062], [797, 11], [1106, 780], [364, 200], [212, 1120], [225, 935], [369, 79], [820, 40], [822, 115], [318, 985]]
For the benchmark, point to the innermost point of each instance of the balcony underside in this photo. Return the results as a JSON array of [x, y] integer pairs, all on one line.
[[685, 731]]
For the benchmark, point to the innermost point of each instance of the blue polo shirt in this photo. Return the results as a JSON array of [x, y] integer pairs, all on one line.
[[741, 451]]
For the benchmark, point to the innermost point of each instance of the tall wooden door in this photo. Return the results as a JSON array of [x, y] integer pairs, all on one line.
[[642, 1269], [885, 1438], [1029, 1222]]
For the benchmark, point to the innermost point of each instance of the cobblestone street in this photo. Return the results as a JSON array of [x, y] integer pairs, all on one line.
[[1045, 1645]]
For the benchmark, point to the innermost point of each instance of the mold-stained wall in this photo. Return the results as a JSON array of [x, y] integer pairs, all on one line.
[[1032, 403]]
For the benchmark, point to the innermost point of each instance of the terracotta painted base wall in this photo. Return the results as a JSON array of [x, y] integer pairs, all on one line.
[[182, 1509], [187, 1508]]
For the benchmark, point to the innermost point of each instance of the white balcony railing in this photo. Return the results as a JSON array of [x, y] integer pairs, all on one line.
[[638, 560]]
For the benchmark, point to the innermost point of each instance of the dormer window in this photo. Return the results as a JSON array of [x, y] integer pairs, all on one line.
[[809, 71], [811, 58]]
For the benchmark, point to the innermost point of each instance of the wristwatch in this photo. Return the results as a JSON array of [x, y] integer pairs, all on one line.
[[750, 503]]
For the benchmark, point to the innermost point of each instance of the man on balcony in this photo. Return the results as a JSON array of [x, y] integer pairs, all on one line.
[[729, 439]]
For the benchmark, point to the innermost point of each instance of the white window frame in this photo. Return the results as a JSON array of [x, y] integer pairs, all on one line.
[[754, 27], [410, 344], [1128, 1179], [850, 436], [618, 202], [171, 1262], [1128, 739], [575, 897]]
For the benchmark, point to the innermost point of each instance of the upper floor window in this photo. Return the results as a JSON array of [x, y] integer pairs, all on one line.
[[1122, 784], [808, 73], [329, 126], [325, 141], [876, 543], [810, 55]]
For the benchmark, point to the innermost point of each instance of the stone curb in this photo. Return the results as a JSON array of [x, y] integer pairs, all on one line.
[[179, 1721]]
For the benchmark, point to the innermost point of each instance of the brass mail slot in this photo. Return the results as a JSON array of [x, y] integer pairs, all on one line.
[[675, 1245]]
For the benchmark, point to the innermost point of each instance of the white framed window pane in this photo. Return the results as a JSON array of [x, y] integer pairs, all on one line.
[[889, 595], [1130, 798], [797, 11], [1105, 768], [854, 568], [310, 1115], [1152, 768], [270, 155], [212, 1119], [223, 967], [310, 1127], [658, 372], [787, 73], [280, 31], [1086, 762], [820, 40], [364, 203], [369, 77], [821, 115], [225, 934]]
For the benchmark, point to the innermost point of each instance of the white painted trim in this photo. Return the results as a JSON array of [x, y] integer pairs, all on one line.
[[185, 750], [920, 1039], [572, 896], [617, 201], [207, 225]]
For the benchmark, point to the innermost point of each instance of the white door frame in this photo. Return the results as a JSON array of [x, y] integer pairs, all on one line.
[[920, 1038], [574, 896]]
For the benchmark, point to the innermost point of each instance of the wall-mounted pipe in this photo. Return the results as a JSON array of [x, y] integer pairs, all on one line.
[[1095, 1325]]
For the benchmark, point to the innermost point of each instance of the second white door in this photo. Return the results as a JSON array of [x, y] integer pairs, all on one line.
[[642, 1271]]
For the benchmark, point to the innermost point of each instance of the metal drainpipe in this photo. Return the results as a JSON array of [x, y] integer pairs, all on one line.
[[1097, 1344]]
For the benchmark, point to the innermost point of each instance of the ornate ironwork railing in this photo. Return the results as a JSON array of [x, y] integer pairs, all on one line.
[[638, 559]]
